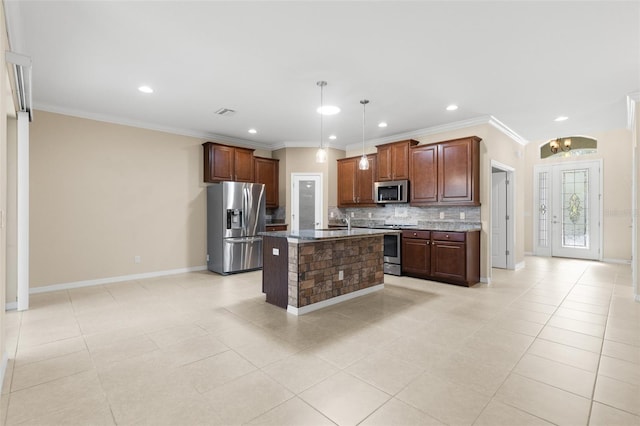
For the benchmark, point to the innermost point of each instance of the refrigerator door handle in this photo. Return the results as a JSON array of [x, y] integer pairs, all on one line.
[[243, 240]]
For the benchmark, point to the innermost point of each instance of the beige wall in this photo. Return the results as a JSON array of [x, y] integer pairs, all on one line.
[[615, 150], [496, 146], [302, 160], [102, 194]]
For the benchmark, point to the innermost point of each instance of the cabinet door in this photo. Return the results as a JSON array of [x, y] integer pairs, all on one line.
[[266, 172], [347, 182], [384, 163], [416, 257], [222, 163], [400, 161], [448, 260], [364, 181], [243, 159], [423, 175], [458, 172]]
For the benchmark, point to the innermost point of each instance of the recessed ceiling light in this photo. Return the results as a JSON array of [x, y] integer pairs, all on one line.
[[452, 107], [561, 118], [382, 124], [333, 137], [328, 110], [145, 89], [253, 131]]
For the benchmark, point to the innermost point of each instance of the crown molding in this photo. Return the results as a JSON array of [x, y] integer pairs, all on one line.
[[507, 131], [443, 128], [143, 125]]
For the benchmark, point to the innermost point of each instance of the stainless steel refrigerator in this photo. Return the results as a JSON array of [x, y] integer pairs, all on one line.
[[235, 215]]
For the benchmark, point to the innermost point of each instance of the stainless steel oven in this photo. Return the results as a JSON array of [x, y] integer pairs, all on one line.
[[392, 254]]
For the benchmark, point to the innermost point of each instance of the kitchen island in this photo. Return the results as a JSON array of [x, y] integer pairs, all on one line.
[[311, 269]]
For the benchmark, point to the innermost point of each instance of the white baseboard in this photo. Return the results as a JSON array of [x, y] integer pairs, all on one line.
[[110, 280], [11, 306], [519, 265], [325, 303], [621, 261]]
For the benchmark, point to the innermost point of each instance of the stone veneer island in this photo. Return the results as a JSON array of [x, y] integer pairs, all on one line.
[[310, 269]]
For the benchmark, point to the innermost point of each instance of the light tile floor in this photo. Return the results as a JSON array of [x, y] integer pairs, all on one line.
[[555, 343]]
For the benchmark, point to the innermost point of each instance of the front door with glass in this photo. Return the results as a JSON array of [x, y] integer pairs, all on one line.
[[567, 209]]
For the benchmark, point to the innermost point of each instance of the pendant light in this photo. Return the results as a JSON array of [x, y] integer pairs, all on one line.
[[321, 154], [364, 161]]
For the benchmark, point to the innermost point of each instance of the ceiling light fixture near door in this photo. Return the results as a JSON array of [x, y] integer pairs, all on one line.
[[321, 154], [253, 131], [145, 89], [364, 161], [452, 107], [560, 144], [382, 124], [561, 118]]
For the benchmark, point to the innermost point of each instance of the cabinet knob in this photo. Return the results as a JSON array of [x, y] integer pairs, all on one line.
[[446, 236], [428, 242], [415, 234]]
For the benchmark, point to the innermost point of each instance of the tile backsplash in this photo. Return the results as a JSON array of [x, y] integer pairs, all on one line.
[[404, 214]]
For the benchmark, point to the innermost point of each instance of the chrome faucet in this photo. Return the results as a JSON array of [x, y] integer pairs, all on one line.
[[347, 219]]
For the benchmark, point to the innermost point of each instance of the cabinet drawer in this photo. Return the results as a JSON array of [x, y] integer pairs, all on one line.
[[449, 236], [424, 235]]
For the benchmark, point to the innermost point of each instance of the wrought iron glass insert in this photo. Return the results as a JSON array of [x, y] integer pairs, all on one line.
[[575, 208]]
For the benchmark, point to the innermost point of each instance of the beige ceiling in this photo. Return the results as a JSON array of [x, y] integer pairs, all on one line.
[[523, 63]]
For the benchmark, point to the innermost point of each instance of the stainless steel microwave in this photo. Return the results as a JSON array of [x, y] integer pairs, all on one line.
[[395, 191]]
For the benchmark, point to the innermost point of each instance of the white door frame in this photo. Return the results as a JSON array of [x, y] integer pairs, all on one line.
[[295, 179], [511, 213], [550, 169]]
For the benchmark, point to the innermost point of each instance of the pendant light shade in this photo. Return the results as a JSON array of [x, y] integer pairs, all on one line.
[[364, 161], [321, 154]]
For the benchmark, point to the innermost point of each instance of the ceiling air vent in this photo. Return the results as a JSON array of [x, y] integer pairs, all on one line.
[[225, 111]]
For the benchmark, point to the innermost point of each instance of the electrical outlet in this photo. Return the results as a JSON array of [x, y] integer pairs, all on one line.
[[441, 215], [137, 259], [275, 251], [341, 275], [353, 214], [461, 215], [207, 257], [369, 215], [331, 215]]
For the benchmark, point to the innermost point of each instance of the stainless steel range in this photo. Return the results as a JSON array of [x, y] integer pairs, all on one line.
[[393, 249]]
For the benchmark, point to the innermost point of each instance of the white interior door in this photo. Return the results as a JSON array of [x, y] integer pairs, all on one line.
[[306, 201], [568, 210], [499, 251]]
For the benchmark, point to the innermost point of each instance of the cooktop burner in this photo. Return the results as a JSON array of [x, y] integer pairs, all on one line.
[[396, 226]]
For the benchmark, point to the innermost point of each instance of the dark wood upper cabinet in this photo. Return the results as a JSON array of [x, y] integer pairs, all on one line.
[[393, 160], [355, 186], [446, 173], [227, 163], [423, 174], [459, 171], [266, 171]]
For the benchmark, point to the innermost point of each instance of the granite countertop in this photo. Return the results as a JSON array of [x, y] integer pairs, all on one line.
[[434, 225], [328, 234]]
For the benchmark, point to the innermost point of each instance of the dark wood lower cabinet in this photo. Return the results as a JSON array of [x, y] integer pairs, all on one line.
[[275, 267], [453, 257], [416, 253]]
